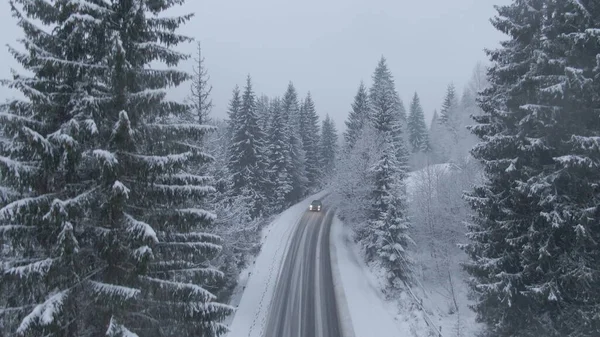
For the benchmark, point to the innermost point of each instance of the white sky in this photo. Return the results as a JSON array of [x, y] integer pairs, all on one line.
[[327, 46]]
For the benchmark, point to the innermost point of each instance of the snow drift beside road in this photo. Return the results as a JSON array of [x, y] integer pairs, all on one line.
[[251, 315], [370, 314]]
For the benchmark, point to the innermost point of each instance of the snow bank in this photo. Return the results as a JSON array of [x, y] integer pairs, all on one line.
[[370, 314], [250, 317]]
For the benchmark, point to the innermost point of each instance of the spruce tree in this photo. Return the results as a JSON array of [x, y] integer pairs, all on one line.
[[399, 139], [358, 117], [297, 167], [417, 130], [329, 147], [41, 191], [233, 111], [436, 140], [263, 111], [310, 140], [149, 203], [200, 100], [435, 121], [449, 118], [279, 160], [118, 215], [385, 104], [246, 157], [388, 224], [387, 110], [533, 248], [232, 123]]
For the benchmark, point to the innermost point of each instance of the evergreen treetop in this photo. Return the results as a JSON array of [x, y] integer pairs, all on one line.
[[328, 147], [358, 117], [310, 140], [417, 130], [384, 101]]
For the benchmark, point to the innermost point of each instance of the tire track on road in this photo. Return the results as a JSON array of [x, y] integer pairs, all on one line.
[[304, 303]]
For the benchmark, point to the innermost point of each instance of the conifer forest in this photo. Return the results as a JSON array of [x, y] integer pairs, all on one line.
[[153, 186]]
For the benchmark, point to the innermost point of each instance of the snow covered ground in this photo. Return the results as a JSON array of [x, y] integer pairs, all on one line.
[[370, 314], [260, 278], [436, 306]]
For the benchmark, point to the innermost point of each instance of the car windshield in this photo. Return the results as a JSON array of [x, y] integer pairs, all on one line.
[[316, 203]]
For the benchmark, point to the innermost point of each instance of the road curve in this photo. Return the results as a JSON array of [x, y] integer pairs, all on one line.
[[304, 303]]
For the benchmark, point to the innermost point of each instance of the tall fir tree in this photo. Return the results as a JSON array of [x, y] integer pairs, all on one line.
[[387, 233], [263, 111], [200, 100], [436, 140], [309, 131], [41, 256], [118, 259], [246, 157], [385, 104], [279, 160], [358, 117], [435, 120], [449, 115], [387, 110], [328, 149], [233, 112], [417, 130], [297, 168], [534, 257]]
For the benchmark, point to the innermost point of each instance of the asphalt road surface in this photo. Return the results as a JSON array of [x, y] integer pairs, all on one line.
[[304, 303]]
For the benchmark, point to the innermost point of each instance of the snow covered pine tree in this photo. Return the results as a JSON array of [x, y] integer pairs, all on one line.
[[417, 130], [114, 244], [358, 117], [278, 157], [297, 164], [309, 127], [534, 240], [200, 89], [42, 259], [246, 158], [449, 122], [436, 137], [388, 223], [386, 231], [328, 149], [263, 105], [387, 110]]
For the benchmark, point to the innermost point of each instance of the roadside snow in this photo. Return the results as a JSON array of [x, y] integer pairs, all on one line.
[[422, 311], [370, 314], [250, 317]]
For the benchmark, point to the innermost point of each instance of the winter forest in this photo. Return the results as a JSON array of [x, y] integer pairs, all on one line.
[[125, 213]]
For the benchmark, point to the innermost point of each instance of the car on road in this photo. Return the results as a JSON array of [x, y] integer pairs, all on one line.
[[315, 206]]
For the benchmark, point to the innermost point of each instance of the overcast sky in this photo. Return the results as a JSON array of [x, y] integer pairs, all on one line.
[[328, 46]]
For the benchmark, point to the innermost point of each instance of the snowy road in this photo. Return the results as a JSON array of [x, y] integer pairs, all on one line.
[[304, 302]]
